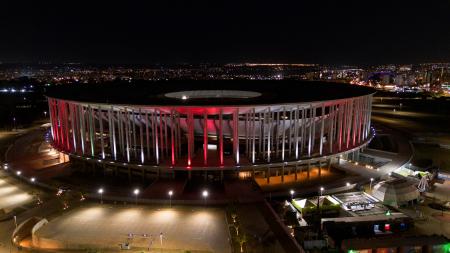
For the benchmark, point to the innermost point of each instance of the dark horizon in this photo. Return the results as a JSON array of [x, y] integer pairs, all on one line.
[[323, 32]]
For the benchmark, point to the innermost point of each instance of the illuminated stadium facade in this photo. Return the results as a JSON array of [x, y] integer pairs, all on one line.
[[255, 126]]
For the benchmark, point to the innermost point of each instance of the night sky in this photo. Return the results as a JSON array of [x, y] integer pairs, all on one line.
[[329, 32]]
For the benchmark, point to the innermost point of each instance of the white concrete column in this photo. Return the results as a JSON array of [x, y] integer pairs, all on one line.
[[166, 135], [236, 135], [310, 120], [66, 125], [141, 136], [160, 126], [73, 126], [333, 122], [127, 136], [283, 137], [340, 124], [269, 129], [50, 114], [221, 136], [322, 126], [277, 133], [291, 132], [246, 126], [120, 129], [112, 137], [296, 131], [100, 121], [157, 134], [91, 130], [147, 134], [205, 138], [133, 129], [82, 132], [172, 137], [303, 134], [313, 137], [253, 135]]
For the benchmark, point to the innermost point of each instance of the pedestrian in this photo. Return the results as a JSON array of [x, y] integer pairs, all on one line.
[[150, 242]]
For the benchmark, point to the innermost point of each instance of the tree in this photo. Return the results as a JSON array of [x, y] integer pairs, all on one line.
[[242, 239], [236, 227], [37, 197], [234, 216]]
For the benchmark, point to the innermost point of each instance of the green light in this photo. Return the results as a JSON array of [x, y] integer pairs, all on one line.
[[388, 213], [352, 251], [446, 248]]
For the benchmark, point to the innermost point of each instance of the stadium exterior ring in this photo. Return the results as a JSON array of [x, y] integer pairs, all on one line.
[[236, 125]]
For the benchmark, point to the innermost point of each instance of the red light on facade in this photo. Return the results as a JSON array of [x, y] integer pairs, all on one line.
[[387, 227], [173, 152]]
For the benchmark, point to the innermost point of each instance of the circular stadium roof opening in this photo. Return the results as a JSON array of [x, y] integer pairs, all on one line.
[[208, 94]]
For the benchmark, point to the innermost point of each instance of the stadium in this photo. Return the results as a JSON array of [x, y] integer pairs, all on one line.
[[164, 128]]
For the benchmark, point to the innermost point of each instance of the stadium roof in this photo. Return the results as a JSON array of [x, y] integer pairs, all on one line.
[[201, 93]]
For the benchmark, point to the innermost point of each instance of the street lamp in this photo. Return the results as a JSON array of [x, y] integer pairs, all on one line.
[[100, 191], [292, 194], [170, 198], [32, 179], [348, 184], [45, 114], [18, 173], [205, 195], [371, 180], [136, 193], [318, 199]]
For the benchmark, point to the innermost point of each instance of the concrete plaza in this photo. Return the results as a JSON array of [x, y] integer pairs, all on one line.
[[12, 195], [197, 229]]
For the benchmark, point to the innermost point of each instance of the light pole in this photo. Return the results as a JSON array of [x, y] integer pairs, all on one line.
[[205, 195], [45, 114], [100, 191], [136, 193], [318, 199], [292, 194], [170, 198], [371, 180]]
